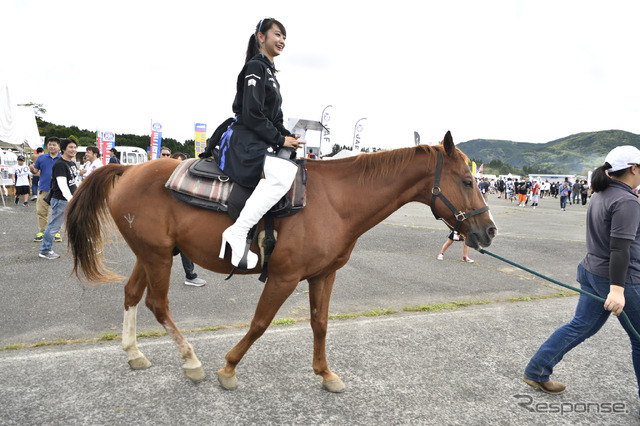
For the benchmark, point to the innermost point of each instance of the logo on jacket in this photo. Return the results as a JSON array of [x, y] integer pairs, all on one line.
[[251, 82]]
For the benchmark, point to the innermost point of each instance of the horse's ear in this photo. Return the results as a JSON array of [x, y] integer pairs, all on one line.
[[447, 142]]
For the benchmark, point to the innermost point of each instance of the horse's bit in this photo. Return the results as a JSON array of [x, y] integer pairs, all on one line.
[[437, 193]]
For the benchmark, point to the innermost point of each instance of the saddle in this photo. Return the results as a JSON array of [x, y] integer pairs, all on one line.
[[201, 183]]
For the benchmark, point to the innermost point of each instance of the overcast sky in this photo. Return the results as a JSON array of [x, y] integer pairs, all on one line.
[[529, 71]]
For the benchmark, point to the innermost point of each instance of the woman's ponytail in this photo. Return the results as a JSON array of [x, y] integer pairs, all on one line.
[[252, 48], [601, 178]]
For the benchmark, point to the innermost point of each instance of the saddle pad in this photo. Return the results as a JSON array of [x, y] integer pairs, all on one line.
[[205, 189]]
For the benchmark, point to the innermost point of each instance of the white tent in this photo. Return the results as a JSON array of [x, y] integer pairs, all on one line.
[[18, 125]]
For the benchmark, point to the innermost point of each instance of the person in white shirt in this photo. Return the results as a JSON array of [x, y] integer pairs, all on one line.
[[21, 177], [93, 155]]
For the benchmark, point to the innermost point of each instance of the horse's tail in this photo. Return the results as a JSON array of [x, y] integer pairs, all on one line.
[[88, 223]]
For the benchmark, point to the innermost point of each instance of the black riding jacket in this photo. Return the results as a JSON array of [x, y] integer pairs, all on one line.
[[259, 122]]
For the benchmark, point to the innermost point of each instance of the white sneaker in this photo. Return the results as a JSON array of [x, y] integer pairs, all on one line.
[[440, 256], [468, 260], [49, 255], [196, 282]]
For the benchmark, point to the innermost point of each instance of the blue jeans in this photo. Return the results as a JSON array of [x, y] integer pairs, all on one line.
[[590, 316], [55, 223], [563, 202], [34, 186]]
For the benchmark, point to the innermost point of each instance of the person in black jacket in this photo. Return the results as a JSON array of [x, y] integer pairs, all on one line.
[[249, 145]]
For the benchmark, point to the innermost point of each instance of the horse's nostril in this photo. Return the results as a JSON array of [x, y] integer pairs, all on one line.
[[492, 231]]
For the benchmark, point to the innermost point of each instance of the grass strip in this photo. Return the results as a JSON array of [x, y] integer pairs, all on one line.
[[378, 312]]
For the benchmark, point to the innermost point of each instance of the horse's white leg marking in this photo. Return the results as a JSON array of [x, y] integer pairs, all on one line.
[[136, 359], [184, 347], [129, 219], [192, 366]]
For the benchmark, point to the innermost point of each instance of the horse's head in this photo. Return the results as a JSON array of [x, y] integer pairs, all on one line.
[[457, 199]]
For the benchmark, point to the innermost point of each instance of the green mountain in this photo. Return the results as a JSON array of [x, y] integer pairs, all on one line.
[[573, 154]]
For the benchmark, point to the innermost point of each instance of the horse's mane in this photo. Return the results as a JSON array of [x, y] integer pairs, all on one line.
[[381, 164]]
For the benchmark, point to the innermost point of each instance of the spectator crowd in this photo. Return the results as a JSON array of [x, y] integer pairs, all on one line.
[[528, 192]]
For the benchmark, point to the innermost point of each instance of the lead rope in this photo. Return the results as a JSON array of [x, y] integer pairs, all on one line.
[[579, 290]]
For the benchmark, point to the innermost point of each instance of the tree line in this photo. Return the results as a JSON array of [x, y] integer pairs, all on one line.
[[85, 137]]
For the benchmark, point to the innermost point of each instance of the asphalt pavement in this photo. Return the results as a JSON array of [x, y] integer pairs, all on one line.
[[452, 366]]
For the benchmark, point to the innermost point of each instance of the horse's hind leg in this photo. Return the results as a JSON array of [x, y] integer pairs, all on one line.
[[133, 291], [319, 296], [157, 301]]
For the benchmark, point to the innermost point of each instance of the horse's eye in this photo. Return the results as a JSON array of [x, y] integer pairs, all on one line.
[[468, 183]]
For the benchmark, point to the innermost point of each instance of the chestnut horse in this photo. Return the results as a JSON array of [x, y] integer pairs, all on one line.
[[345, 198]]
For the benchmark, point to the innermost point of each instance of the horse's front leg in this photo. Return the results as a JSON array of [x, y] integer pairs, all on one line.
[[273, 296], [133, 291], [319, 295]]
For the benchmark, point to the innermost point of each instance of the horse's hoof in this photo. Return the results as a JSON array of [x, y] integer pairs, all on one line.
[[139, 363], [335, 386], [229, 383], [194, 374]]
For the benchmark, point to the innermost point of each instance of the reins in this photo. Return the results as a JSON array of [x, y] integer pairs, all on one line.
[[579, 290], [437, 193]]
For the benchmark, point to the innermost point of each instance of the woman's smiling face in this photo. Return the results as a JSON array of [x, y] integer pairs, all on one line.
[[272, 43]]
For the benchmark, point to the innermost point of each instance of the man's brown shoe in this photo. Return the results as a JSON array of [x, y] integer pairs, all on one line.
[[553, 388]]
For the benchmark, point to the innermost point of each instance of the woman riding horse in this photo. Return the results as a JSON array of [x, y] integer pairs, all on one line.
[[248, 146]]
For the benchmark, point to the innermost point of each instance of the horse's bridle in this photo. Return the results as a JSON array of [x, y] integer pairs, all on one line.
[[437, 193]]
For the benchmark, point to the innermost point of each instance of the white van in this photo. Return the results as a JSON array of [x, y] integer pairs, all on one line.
[[132, 155], [126, 154]]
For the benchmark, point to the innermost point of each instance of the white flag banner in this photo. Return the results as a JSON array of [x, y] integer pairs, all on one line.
[[357, 134], [325, 138]]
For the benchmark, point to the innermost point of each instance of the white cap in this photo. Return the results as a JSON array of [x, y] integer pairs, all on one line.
[[622, 157]]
